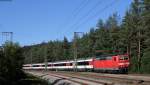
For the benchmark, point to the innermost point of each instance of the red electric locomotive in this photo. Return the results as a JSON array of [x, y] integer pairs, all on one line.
[[111, 63]]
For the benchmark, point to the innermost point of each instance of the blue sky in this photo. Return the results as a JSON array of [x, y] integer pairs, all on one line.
[[35, 21]]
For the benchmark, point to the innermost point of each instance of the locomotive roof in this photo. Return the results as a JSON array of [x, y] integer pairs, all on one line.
[[109, 55], [105, 55]]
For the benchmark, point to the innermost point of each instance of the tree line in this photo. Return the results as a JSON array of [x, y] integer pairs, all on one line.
[[129, 35], [11, 61]]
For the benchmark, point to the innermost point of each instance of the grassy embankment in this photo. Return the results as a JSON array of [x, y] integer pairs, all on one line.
[[32, 80]]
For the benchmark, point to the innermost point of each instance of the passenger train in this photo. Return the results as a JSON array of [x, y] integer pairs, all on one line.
[[103, 63]]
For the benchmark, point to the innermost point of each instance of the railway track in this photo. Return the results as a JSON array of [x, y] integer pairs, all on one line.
[[114, 80], [76, 80], [117, 78], [82, 79], [127, 77], [86, 78], [121, 79]]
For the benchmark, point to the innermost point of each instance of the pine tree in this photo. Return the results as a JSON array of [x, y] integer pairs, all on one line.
[[66, 48], [133, 30], [11, 62], [146, 20]]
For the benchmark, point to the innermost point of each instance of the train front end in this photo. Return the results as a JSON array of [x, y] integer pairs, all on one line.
[[123, 63]]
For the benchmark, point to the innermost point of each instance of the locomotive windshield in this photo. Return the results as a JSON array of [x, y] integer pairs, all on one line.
[[124, 58]]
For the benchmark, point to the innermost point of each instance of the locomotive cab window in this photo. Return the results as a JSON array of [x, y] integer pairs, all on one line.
[[124, 58]]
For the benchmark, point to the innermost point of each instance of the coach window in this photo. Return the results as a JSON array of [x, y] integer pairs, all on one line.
[[43, 65], [26, 66], [61, 64], [49, 65], [35, 65], [83, 63], [56, 64], [70, 64]]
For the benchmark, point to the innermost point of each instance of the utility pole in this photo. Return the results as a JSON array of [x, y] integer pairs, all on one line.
[[31, 56], [76, 49], [139, 50], [31, 53], [7, 36], [46, 63]]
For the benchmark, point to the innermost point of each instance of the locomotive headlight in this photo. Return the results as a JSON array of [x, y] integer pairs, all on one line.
[[121, 64]]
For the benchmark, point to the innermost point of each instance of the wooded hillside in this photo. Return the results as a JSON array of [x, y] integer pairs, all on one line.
[[130, 35]]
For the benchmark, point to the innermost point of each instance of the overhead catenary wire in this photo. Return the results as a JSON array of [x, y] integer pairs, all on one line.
[[95, 15], [81, 8], [74, 13], [87, 13]]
